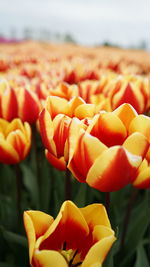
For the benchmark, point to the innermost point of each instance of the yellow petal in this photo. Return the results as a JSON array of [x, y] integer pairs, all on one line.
[[95, 214], [73, 104], [36, 223], [140, 124], [49, 258], [56, 105], [18, 141], [126, 113], [85, 111], [142, 181], [98, 252], [137, 144], [16, 124]]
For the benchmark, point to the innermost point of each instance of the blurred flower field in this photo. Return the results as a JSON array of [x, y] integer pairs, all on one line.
[[74, 156]]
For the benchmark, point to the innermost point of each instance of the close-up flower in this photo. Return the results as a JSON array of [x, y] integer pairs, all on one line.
[[55, 135], [28, 105], [106, 156], [132, 89], [8, 102], [77, 237], [15, 141]]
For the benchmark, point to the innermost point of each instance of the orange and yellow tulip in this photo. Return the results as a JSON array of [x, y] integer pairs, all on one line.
[[8, 102], [54, 135], [18, 102], [76, 107], [64, 90], [28, 105], [56, 120], [15, 141], [77, 237], [132, 89], [106, 156]]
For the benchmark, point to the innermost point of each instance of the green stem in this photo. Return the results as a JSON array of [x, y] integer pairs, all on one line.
[[18, 189], [68, 185], [127, 217], [107, 202], [36, 155]]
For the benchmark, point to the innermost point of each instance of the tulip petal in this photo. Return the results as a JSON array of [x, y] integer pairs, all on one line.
[[9, 104], [109, 129], [16, 124], [137, 144], [126, 113], [99, 250], [18, 142], [73, 135], [36, 223], [47, 258], [29, 105], [56, 105], [47, 131], [58, 163], [3, 126], [8, 154], [87, 150], [127, 95], [73, 104], [95, 214], [69, 227], [141, 124], [142, 180], [85, 111], [113, 169], [61, 128]]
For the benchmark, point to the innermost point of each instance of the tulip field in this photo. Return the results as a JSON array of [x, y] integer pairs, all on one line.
[[74, 156]]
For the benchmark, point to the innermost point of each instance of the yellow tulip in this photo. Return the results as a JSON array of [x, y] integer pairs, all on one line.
[[77, 237], [15, 141]]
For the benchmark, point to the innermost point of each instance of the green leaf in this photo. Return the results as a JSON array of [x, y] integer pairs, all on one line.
[[141, 259], [31, 184], [80, 197], [138, 225], [14, 238], [45, 186]]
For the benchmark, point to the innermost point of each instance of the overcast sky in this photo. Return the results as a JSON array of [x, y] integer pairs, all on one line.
[[124, 22]]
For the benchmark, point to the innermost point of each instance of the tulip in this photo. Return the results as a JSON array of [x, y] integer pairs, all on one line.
[[8, 102], [28, 105], [89, 91], [76, 107], [65, 90], [106, 156], [134, 90], [54, 135], [55, 128], [15, 141], [77, 237]]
